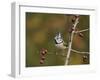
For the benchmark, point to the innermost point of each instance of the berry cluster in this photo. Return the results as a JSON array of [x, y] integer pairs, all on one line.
[[73, 22], [71, 28], [74, 18], [43, 52], [85, 59]]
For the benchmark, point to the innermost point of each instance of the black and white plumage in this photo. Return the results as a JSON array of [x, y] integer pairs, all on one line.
[[59, 43]]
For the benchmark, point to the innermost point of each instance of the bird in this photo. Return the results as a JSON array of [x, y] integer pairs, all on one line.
[[59, 43]]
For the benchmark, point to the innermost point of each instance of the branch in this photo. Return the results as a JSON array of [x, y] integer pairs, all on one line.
[[81, 31], [56, 54], [75, 51], [80, 52], [70, 43]]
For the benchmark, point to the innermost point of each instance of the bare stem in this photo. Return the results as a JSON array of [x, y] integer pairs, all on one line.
[[75, 51], [80, 52], [70, 42], [81, 30]]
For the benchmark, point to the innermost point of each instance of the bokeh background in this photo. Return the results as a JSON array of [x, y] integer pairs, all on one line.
[[41, 29]]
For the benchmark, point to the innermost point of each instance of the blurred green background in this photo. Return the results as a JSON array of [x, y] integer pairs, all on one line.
[[41, 29]]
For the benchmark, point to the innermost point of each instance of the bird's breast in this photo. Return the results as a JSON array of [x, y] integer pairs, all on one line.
[[60, 46]]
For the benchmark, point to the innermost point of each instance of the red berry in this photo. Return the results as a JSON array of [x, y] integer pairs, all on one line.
[[46, 50], [41, 61], [73, 20], [85, 58], [71, 29], [43, 58], [42, 49], [76, 16], [43, 53], [81, 35]]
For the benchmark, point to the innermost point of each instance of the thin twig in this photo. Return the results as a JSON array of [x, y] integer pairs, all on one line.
[[70, 43], [57, 54], [81, 30], [80, 52], [75, 51]]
